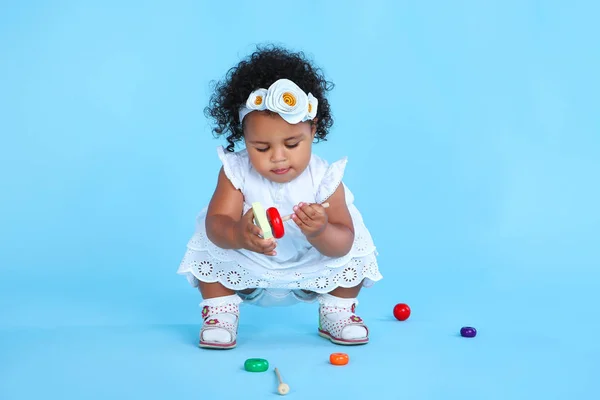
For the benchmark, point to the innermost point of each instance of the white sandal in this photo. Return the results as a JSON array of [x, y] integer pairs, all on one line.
[[211, 309], [333, 329]]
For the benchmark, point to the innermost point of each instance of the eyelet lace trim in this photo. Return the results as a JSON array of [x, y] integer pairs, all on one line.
[[202, 266]]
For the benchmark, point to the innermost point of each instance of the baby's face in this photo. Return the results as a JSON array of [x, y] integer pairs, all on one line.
[[279, 151]]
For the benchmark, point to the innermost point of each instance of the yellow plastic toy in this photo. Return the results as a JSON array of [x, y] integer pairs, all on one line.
[[260, 219]]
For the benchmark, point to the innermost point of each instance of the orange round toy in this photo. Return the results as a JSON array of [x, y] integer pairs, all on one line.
[[338, 358]]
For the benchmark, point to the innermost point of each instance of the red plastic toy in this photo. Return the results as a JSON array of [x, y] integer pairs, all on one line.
[[276, 222], [401, 311]]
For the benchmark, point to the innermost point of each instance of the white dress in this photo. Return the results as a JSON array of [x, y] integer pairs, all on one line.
[[299, 271]]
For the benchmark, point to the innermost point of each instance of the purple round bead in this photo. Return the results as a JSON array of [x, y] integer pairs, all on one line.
[[467, 331]]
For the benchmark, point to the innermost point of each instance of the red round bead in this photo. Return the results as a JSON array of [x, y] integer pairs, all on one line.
[[276, 222], [401, 311]]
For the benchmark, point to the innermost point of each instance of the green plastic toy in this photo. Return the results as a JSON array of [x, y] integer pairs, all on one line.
[[256, 365]]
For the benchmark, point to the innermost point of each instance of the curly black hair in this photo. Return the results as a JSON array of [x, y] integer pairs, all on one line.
[[259, 70]]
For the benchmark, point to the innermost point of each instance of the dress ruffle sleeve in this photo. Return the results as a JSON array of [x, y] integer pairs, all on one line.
[[332, 178], [235, 166]]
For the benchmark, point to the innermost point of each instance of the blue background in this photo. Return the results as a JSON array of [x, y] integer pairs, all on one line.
[[472, 131]]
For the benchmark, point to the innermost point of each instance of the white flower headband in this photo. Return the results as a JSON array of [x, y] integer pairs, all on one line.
[[285, 98]]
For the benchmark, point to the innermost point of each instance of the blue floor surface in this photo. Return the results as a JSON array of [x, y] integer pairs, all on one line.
[[523, 350]]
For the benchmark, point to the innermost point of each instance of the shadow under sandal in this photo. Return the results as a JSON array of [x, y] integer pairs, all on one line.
[[220, 322], [339, 323]]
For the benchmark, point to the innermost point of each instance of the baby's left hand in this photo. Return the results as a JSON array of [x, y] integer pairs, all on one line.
[[310, 218]]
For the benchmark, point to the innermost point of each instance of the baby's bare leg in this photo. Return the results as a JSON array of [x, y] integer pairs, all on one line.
[[346, 293], [215, 289]]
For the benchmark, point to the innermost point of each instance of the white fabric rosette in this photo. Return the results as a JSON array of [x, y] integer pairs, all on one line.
[[313, 103], [285, 98], [288, 100], [256, 100]]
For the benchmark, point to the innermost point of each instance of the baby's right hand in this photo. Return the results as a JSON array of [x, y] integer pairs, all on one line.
[[247, 236]]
